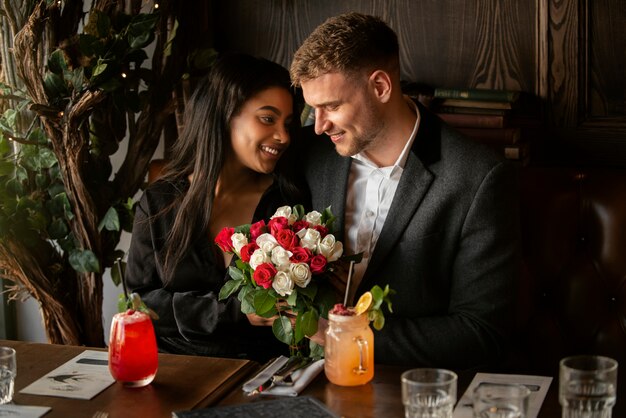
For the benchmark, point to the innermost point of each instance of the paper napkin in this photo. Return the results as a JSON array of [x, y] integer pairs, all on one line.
[[301, 378]]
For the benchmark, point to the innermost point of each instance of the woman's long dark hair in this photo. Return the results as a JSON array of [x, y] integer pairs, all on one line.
[[201, 148]]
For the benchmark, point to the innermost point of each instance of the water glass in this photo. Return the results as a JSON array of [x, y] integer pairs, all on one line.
[[8, 371], [501, 400], [587, 386], [428, 393]]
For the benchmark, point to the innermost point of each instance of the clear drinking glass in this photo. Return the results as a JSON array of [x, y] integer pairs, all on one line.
[[133, 358], [8, 371], [428, 393], [587, 386], [349, 350], [501, 400]]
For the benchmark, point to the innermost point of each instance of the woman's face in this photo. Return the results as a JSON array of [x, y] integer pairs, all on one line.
[[260, 131]]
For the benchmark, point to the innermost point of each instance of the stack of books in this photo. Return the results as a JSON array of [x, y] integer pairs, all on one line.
[[485, 116]]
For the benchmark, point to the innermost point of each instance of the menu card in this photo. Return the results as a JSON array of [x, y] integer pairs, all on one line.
[[23, 411], [538, 386], [82, 377]]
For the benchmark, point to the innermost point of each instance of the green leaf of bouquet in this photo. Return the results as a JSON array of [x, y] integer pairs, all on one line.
[[264, 302], [298, 210], [235, 273], [282, 329], [299, 331], [244, 229], [229, 288], [291, 299], [328, 218], [247, 300], [316, 351], [309, 322]]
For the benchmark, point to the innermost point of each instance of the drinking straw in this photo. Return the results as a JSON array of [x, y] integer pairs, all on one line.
[[345, 298]]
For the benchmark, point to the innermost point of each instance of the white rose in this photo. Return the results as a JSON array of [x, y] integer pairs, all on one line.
[[314, 218], [330, 248], [258, 257], [309, 239], [239, 240], [266, 242], [300, 274], [285, 211], [280, 258], [282, 284]]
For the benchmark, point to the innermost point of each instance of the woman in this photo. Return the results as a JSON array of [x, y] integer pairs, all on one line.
[[231, 166]]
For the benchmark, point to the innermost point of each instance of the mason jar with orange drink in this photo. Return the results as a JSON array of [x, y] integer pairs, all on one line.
[[349, 343]]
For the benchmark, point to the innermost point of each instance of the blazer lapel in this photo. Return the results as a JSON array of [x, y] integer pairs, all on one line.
[[413, 185]]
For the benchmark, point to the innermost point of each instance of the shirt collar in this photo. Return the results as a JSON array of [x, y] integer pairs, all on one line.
[[404, 155]]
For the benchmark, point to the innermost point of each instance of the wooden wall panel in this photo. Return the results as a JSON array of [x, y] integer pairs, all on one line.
[[489, 43], [571, 54]]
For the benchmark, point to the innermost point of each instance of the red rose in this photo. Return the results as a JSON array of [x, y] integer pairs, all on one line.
[[318, 264], [264, 274], [257, 229], [300, 225], [301, 255], [287, 239], [247, 250], [277, 224], [223, 239], [322, 230]]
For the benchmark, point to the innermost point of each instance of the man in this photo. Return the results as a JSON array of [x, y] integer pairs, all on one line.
[[434, 214]]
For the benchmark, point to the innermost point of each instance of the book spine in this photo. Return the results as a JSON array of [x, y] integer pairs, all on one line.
[[471, 110], [484, 104], [493, 136], [477, 94], [473, 121]]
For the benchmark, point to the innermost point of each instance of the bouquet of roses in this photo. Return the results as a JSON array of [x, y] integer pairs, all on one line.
[[281, 270]]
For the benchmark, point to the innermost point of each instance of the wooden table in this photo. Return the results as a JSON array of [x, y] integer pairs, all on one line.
[[382, 397], [181, 383]]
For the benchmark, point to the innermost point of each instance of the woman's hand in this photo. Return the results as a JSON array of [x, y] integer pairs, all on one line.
[[320, 336], [259, 321]]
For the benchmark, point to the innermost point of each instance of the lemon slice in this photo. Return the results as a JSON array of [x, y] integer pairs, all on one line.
[[365, 301]]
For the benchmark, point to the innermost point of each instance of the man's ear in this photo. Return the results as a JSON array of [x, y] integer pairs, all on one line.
[[381, 83]]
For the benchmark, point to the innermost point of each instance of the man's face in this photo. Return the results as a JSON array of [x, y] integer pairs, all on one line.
[[346, 110]]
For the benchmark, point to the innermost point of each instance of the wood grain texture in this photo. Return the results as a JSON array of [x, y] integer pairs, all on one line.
[[570, 54], [459, 44]]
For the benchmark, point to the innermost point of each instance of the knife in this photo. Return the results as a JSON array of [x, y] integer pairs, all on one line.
[[293, 364]]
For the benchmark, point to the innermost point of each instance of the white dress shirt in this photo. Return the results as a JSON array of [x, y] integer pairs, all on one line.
[[369, 198]]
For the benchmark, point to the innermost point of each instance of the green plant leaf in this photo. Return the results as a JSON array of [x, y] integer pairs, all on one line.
[[111, 221], [84, 261], [247, 300], [282, 329], [56, 62], [116, 278], [235, 273], [55, 86], [229, 288], [291, 299], [99, 69], [122, 303], [264, 302], [316, 351], [58, 229], [309, 322], [310, 291]]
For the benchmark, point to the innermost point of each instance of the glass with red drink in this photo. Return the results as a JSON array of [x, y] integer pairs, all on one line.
[[132, 349]]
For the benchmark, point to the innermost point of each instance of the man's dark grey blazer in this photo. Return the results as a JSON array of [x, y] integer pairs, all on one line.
[[449, 247]]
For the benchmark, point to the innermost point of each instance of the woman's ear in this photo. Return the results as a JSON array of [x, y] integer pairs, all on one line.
[[380, 81]]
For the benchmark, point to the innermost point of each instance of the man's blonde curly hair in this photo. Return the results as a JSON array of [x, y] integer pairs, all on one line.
[[349, 43]]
